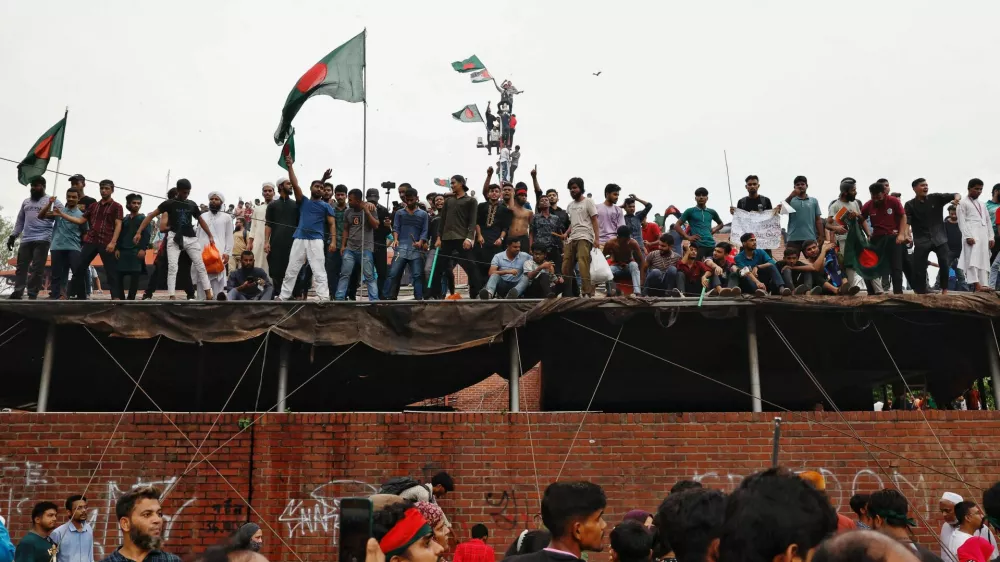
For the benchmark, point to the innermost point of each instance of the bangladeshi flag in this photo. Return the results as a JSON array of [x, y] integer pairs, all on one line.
[[870, 260], [468, 65], [468, 114], [288, 150], [441, 183], [339, 75], [48, 146]]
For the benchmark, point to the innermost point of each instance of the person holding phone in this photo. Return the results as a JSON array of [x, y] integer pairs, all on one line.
[[248, 282]]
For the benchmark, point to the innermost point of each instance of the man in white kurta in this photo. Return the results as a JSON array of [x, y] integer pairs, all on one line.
[[257, 225], [977, 237], [221, 225]]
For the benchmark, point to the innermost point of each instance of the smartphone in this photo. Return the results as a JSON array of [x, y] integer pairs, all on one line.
[[355, 528]]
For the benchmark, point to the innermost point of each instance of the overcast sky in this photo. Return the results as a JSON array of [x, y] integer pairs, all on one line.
[[863, 89]]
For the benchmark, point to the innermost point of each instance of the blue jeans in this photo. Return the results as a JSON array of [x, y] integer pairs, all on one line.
[[632, 269], [659, 282], [415, 259], [497, 285], [769, 276], [350, 259], [503, 171]]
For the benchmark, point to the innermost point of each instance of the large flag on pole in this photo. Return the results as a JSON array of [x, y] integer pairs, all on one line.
[[481, 76], [468, 65], [288, 150], [468, 114], [339, 75], [441, 182], [48, 146]]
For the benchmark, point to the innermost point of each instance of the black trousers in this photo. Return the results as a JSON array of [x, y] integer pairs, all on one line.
[[896, 263], [31, 266], [277, 262], [87, 254], [918, 278], [464, 258], [133, 285]]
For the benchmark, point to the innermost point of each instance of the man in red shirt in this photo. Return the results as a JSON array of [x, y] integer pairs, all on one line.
[[105, 221], [888, 219], [475, 550], [650, 235]]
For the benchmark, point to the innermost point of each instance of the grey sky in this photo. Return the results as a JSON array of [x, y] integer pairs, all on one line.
[[865, 89]]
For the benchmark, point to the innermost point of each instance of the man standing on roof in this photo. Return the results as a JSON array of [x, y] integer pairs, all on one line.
[[281, 220], [221, 225], [753, 202], [977, 234], [923, 214], [315, 218], [635, 220], [700, 217], [35, 229], [806, 223], [181, 238], [609, 215], [258, 222]]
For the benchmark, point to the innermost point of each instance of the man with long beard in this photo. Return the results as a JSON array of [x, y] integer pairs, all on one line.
[[36, 236], [845, 208], [221, 225], [282, 218], [257, 224], [140, 519]]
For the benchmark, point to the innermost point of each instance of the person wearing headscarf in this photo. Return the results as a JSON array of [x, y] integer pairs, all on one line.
[[255, 243], [644, 518], [221, 225], [249, 537], [436, 519]]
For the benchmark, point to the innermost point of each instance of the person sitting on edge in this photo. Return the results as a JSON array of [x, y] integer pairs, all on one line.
[[725, 267], [691, 271], [661, 268], [625, 255], [507, 273], [248, 282], [540, 272], [815, 278], [758, 271]]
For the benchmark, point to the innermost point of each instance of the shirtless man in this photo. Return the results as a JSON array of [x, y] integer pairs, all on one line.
[[521, 222]]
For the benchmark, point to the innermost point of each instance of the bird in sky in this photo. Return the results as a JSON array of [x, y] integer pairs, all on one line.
[[598, 73]]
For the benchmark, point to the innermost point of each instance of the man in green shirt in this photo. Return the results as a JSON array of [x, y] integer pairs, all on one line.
[[36, 545], [700, 218]]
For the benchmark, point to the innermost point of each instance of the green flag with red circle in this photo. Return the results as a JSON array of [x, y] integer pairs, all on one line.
[[287, 150], [48, 146], [870, 260], [468, 65], [339, 75]]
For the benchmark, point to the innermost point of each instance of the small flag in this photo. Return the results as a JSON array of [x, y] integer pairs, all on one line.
[[468, 114], [468, 65], [441, 182], [481, 76], [49, 145], [288, 150], [339, 75]]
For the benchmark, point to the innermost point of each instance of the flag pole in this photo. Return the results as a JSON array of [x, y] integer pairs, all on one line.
[[59, 163], [728, 184], [364, 155]]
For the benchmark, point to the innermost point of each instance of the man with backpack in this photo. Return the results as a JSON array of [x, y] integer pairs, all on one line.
[[412, 490]]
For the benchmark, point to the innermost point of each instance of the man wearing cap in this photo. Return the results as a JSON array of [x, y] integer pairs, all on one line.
[[282, 218], [946, 507], [104, 220], [257, 225], [382, 232], [79, 182], [35, 230], [220, 224]]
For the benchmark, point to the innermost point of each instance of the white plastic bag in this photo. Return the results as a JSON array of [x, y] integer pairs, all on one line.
[[600, 271]]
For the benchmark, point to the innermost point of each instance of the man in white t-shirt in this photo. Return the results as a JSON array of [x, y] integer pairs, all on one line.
[[582, 237], [504, 163]]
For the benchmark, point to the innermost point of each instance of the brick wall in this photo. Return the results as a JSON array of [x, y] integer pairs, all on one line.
[[293, 467], [493, 394]]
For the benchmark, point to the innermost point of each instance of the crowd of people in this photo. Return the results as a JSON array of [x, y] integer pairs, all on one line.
[[772, 516], [333, 240]]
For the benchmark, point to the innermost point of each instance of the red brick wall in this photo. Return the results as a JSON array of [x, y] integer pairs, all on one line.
[[493, 394], [301, 464]]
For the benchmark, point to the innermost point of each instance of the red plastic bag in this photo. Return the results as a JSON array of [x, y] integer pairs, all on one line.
[[213, 260]]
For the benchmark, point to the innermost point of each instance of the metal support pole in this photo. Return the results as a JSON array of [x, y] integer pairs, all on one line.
[[286, 349], [994, 357], [515, 371], [47, 361], [754, 360]]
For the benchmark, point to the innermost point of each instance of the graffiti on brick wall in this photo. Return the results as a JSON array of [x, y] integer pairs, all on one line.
[[842, 484], [509, 510], [24, 483], [319, 513]]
